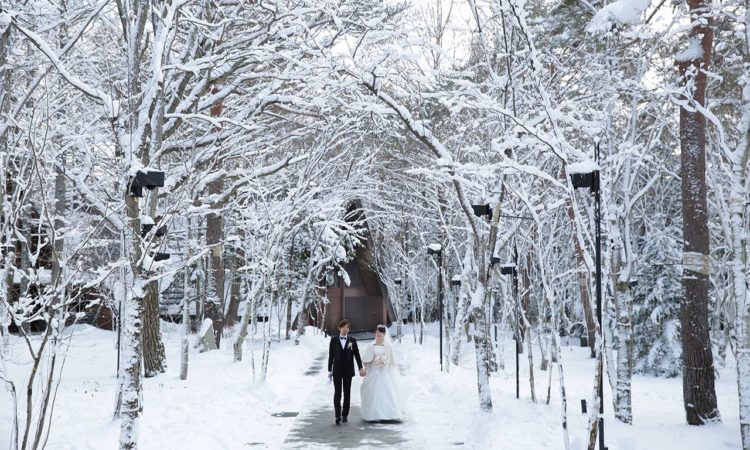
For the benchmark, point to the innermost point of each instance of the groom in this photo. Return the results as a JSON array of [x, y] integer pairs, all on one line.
[[341, 354]]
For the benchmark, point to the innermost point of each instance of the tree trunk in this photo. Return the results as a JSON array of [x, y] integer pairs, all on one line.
[[289, 305], [741, 255], [482, 360], [458, 328], [185, 338], [594, 415], [215, 239], [583, 286], [247, 318], [697, 360], [130, 369], [563, 395], [623, 402], [234, 299], [154, 359], [6, 189], [624, 311], [130, 389]]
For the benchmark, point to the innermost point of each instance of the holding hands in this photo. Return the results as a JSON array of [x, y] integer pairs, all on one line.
[[363, 372]]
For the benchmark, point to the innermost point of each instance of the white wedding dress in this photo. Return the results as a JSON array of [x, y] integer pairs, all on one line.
[[381, 397]]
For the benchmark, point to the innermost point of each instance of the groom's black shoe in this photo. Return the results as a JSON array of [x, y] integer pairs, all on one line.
[[345, 419], [338, 420]]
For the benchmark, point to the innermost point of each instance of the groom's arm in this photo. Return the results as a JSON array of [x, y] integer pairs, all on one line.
[[355, 347], [330, 356]]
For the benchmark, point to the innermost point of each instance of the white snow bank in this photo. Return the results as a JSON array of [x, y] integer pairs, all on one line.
[[621, 12]]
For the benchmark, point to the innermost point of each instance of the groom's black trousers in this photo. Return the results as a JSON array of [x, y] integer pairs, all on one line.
[[338, 381]]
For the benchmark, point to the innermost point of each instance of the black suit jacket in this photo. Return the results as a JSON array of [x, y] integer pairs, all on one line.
[[341, 360]]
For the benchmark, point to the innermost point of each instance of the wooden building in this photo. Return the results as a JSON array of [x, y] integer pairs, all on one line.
[[364, 301]]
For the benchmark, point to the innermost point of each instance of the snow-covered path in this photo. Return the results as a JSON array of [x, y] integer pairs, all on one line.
[[220, 407]]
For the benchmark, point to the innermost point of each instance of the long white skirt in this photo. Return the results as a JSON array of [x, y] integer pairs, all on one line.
[[381, 397]]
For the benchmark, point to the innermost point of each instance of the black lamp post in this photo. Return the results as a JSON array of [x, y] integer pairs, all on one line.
[[436, 249], [591, 180], [510, 269], [397, 282]]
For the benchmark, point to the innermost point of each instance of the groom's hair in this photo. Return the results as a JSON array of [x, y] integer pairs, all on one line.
[[345, 322]]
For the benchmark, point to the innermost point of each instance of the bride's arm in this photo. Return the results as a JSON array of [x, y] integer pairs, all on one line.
[[368, 356], [391, 357]]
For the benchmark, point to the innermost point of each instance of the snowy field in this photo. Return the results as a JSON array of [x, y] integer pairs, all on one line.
[[220, 407]]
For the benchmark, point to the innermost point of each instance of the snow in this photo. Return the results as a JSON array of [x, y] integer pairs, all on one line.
[[587, 166], [147, 220], [621, 12], [5, 19], [41, 275], [207, 323], [693, 51], [435, 247], [217, 407], [109, 103], [220, 407]]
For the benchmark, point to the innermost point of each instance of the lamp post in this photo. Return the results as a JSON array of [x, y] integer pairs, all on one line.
[[397, 282], [436, 249], [585, 175], [484, 210], [510, 269]]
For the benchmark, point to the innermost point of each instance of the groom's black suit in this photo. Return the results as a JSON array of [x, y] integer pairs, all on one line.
[[341, 365]]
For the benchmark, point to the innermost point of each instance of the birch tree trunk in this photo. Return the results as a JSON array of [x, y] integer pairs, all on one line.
[[623, 402], [741, 251], [481, 339], [563, 395], [130, 393], [247, 317], [742, 316], [699, 393], [458, 328], [6, 274], [185, 337]]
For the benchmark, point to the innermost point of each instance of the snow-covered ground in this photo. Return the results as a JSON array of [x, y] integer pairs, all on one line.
[[220, 407]]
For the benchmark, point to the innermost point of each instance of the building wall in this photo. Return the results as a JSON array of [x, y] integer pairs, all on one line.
[[362, 302]]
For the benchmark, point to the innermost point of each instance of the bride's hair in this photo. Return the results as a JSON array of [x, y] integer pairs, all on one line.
[[381, 328]]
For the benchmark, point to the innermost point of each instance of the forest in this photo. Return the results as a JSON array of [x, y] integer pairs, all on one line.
[[579, 168]]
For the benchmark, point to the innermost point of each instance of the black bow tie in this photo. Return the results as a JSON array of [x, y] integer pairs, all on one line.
[[342, 337]]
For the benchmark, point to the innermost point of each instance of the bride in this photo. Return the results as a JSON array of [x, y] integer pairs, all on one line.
[[381, 399]]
